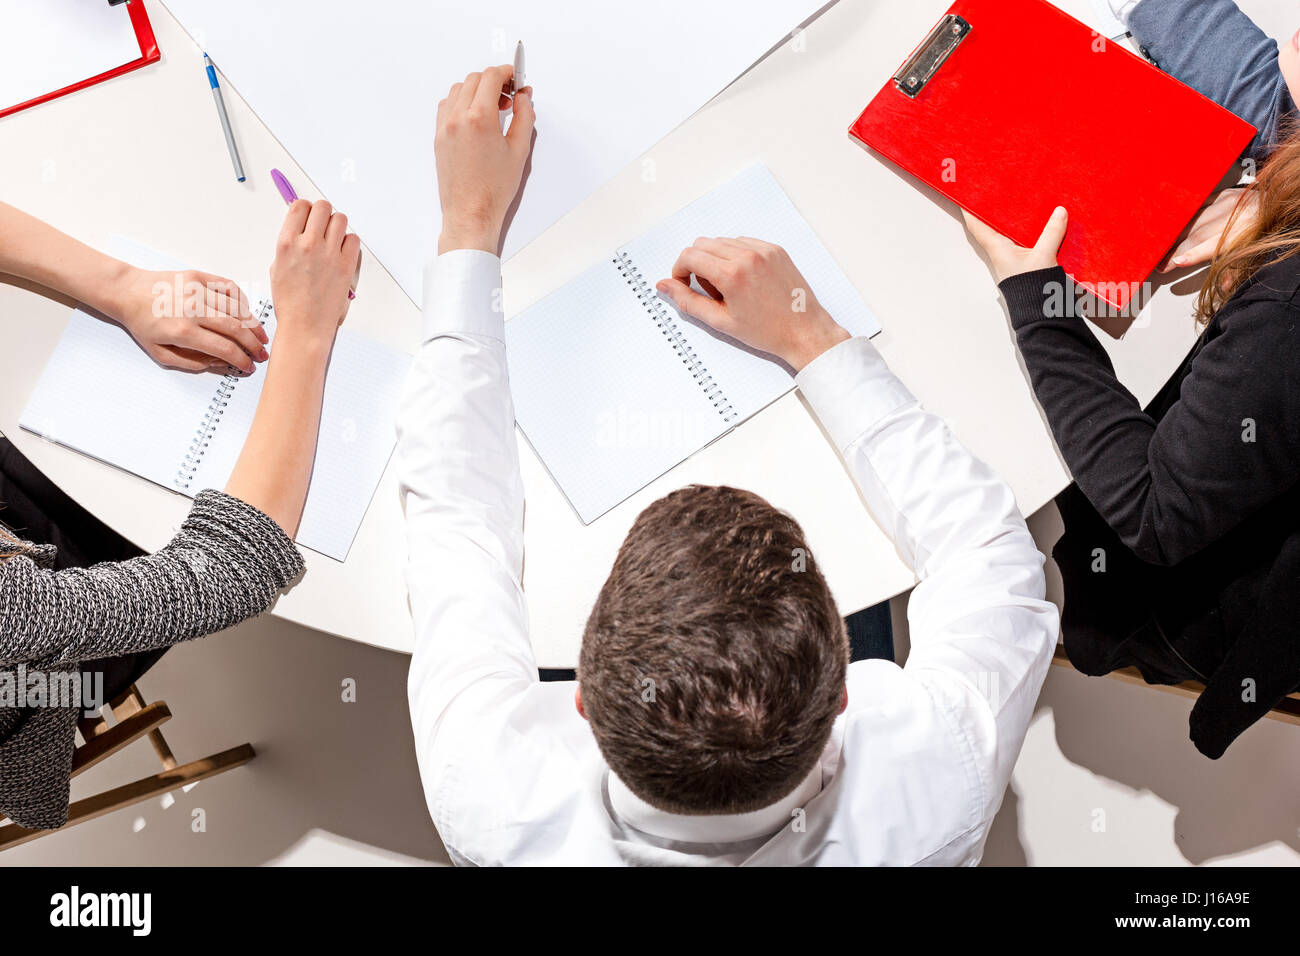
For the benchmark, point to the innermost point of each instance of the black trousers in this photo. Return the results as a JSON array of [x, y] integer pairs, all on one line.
[[34, 508]]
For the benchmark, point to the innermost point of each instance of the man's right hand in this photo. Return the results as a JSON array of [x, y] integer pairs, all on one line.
[[756, 296], [479, 167]]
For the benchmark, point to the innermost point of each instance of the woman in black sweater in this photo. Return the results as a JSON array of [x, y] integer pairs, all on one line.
[[1181, 553]]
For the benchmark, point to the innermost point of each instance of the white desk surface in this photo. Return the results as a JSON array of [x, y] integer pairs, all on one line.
[[142, 155]]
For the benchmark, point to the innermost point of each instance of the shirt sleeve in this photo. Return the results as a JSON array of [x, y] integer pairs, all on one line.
[[1213, 47], [982, 635], [226, 564], [1226, 447], [458, 472]]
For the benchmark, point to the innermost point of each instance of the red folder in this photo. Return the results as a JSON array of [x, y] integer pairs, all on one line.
[[148, 54], [1011, 108]]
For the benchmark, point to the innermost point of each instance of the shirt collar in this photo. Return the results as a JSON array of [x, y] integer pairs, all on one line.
[[710, 828]]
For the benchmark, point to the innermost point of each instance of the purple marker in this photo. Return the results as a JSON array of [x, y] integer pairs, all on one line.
[[290, 197], [282, 184]]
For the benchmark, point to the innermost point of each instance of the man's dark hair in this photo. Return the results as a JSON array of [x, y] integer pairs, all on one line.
[[713, 663]]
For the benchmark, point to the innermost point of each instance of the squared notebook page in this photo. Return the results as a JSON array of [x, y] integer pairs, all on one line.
[[358, 430], [750, 204], [600, 394], [101, 394]]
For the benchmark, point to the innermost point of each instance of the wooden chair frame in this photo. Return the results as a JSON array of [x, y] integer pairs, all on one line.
[[134, 719]]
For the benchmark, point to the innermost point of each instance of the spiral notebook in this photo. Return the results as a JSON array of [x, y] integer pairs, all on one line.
[[613, 387], [101, 395]]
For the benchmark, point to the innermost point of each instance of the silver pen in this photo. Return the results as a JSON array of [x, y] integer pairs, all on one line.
[[225, 119], [519, 81]]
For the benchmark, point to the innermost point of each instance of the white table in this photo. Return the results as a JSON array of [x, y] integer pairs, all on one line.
[[142, 156]]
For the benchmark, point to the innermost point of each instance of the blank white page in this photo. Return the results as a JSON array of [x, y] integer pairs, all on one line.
[[47, 45], [600, 395], [751, 204], [101, 395], [350, 89]]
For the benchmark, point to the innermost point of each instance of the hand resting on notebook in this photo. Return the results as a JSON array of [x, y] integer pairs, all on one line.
[[756, 295], [186, 320]]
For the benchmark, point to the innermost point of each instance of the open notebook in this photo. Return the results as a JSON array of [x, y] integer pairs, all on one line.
[[101, 395], [613, 387]]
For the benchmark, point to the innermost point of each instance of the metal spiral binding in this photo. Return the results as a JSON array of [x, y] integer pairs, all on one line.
[[668, 326], [211, 418]]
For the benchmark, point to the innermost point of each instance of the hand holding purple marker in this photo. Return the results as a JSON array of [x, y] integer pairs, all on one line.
[[290, 196]]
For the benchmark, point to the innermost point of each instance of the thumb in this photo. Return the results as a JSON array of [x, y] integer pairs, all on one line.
[[702, 307], [351, 247], [520, 134], [985, 235], [1049, 243], [977, 227]]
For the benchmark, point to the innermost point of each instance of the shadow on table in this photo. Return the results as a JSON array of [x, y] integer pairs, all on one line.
[[1138, 737], [332, 781]]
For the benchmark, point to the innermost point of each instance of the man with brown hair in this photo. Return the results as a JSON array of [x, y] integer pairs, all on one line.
[[713, 663], [724, 723]]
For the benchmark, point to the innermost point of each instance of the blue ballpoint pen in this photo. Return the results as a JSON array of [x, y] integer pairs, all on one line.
[[225, 119]]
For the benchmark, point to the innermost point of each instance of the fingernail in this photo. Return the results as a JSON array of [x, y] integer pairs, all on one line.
[[263, 355], [1060, 212]]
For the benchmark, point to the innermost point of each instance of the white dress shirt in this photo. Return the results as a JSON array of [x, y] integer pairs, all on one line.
[[916, 766]]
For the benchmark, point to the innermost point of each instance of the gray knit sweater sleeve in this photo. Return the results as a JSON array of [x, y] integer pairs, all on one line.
[[227, 563]]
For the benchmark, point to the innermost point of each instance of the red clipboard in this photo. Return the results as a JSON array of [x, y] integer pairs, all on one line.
[[148, 54], [1011, 108]]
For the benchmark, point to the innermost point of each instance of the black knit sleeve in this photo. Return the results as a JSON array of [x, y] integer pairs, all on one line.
[[226, 564], [1228, 446]]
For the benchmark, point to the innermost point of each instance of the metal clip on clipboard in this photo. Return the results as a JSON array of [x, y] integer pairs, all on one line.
[[921, 67]]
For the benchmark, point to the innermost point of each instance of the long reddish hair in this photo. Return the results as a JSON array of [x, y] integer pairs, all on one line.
[[1273, 235], [9, 545]]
